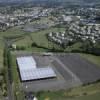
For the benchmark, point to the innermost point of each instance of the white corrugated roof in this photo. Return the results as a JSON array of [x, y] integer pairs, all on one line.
[[26, 62], [29, 71], [39, 73]]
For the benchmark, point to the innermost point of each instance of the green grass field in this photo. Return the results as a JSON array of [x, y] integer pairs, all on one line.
[[92, 58], [1, 54], [16, 80], [78, 93], [10, 32], [40, 39], [75, 46], [95, 96]]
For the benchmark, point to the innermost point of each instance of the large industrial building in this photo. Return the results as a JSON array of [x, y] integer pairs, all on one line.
[[29, 71], [43, 72]]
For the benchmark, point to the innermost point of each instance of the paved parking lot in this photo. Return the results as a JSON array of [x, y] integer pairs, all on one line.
[[86, 71], [71, 70]]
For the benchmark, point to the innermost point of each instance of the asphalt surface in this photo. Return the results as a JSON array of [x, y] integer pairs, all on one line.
[[65, 78], [86, 71], [62, 71]]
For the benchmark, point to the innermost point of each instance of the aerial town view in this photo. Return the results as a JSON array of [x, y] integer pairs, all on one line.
[[49, 49]]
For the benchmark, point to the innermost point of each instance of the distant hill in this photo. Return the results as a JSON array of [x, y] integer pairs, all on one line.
[[71, 1], [41, 0]]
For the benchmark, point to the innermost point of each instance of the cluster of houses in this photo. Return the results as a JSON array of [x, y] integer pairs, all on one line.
[[85, 32], [34, 12], [21, 18], [77, 32], [60, 37]]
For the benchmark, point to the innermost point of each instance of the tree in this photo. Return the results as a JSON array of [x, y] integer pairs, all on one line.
[[34, 44]]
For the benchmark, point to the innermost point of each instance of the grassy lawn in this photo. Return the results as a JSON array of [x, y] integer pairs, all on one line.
[[1, 67], [40, 39], [9, 32], [26, 41], [78, 93], [75, 46], [92, 58], [1, 54], [12, 31], [89, 97], [3, 84], [16, 80]]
